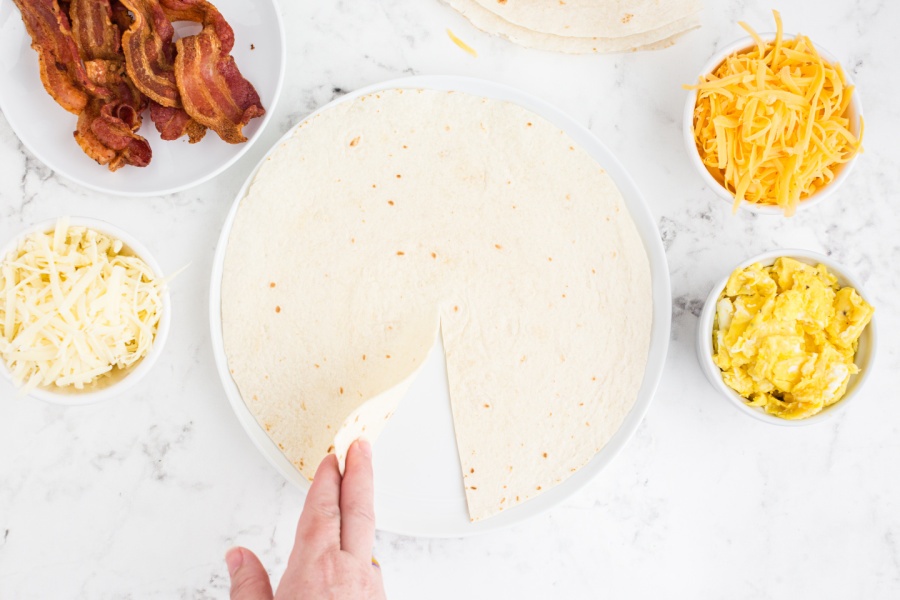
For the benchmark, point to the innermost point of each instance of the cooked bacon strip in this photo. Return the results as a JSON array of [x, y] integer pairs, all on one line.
[[172, 123], [231, 100], [212, 88], [150, 58], [127, 102], [86, 138], [62, 70], [131, 148], [96, 35], [203, 12], [121, 17], [107, 128], [150, 53], [93, 30], [109, 140]]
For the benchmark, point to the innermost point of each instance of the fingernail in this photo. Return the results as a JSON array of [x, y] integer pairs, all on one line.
[[365, 447], [234, 558]]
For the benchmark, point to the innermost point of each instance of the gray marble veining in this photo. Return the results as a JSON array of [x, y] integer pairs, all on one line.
[[140, 497]]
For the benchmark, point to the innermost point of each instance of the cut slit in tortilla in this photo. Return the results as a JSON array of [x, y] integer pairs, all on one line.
[[370, 418]]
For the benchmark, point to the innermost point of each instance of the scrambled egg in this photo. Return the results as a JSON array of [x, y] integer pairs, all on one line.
[[785, 336]]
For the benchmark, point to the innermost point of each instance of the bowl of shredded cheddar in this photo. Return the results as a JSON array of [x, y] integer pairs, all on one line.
[[84, 311], [773, 124], [788, 337]]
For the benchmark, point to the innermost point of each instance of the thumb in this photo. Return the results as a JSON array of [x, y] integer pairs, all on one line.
[[249, 580]]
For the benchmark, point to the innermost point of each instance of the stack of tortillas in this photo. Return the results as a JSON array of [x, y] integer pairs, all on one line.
[[396, 217], [584, 26]]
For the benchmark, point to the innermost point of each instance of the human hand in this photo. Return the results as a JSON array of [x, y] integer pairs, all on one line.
[[332, 555]]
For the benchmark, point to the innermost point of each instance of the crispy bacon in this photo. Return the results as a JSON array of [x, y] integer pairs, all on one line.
[[150, 56], [93, 30], [108, 139], [172, 123], [127, 102], [62, 71], [201, 11], [90, 144], [96, 35], [150, 53], [107, 128], [117, 57], [121, 16], [212, 88]]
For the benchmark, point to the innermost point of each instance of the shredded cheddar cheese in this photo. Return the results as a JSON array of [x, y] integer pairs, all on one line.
[[772, 122], [75, 307], [465, 47]]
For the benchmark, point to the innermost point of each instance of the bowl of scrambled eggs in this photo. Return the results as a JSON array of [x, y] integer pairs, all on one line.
[[788, 337]]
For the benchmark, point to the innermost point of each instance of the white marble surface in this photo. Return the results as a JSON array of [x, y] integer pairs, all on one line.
[[140, 497]]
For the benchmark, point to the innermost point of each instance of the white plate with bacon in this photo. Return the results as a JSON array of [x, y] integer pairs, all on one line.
[[92, 87]]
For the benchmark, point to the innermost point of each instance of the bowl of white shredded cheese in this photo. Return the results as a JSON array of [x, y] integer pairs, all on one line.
[[84, 311]]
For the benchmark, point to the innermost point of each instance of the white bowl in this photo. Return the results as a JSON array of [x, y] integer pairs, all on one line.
[[864, 359], [843, 171], [113, 386]]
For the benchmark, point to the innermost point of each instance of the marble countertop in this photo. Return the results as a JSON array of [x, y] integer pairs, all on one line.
[[140, 497]]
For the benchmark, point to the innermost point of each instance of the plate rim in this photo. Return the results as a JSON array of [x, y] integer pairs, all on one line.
[[660, 294], [168, 191]]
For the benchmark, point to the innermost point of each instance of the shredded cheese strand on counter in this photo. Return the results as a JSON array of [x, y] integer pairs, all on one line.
[[464, 46], [75, 307], [771, 122]]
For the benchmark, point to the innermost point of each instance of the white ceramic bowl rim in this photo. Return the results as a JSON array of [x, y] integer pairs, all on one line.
[[143, 367], [865, 356], [743, 43]]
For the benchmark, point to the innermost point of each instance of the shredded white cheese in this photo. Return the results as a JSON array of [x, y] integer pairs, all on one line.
[[75, 308]]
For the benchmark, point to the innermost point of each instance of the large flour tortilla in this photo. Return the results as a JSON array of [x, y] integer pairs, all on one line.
[[658, 38], [592, 18], [393, 217]]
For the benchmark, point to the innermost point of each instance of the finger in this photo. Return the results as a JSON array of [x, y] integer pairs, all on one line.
[[249, 580], [319, 528], [358, 502]]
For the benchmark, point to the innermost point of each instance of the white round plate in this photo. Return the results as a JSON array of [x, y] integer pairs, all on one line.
[[418, 484], [46, 128]]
